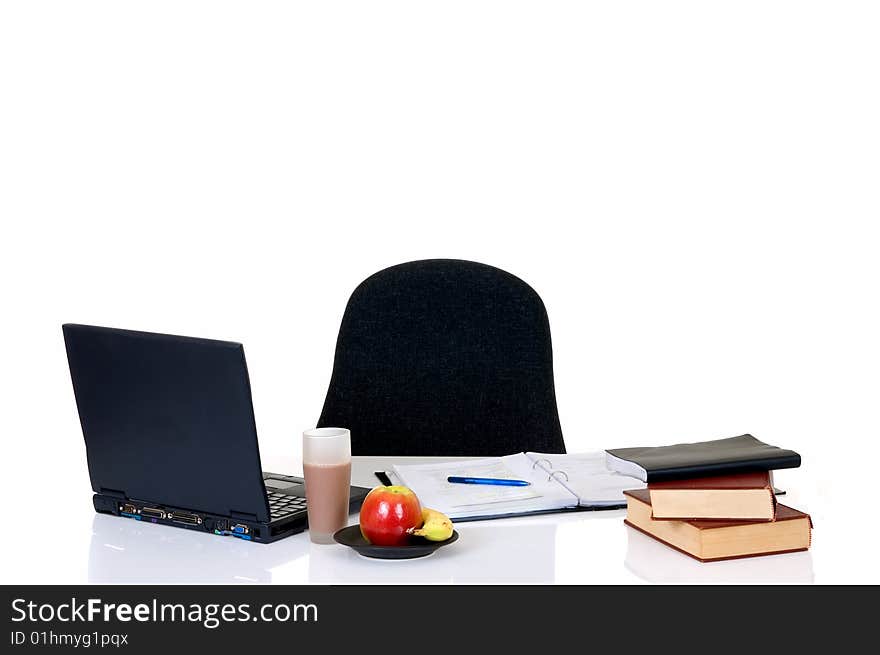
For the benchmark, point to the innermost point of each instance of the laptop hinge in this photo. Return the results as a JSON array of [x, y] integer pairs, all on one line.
[[115, 493], [244, 516]]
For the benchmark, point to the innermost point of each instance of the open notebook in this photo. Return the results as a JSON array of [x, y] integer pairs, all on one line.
[[558, 483]]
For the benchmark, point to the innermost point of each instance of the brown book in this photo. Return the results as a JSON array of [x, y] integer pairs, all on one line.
[[716, 540], [743, 497]]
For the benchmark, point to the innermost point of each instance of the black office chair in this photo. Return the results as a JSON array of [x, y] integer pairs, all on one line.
[[444, 357]]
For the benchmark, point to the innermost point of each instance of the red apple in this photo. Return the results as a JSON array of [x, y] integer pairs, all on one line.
[[387, 513]]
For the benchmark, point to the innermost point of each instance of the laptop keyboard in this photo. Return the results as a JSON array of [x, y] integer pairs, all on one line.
[[282, 505]]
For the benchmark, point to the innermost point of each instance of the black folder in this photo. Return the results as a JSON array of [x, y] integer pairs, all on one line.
[[743, 454]]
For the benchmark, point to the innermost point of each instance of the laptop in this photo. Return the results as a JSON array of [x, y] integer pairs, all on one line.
[[171, 439]]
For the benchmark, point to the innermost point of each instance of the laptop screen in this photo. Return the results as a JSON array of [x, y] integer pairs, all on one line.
[[167, 419]]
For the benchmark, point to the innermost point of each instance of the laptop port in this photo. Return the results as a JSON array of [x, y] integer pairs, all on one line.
[[222, 525], [240, 528], [128, 508], [153, 513], [185, 517]]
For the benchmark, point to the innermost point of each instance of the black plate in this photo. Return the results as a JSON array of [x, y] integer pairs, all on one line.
[[418, 546]]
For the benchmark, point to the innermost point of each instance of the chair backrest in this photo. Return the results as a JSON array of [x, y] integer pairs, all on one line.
[[444, 357]]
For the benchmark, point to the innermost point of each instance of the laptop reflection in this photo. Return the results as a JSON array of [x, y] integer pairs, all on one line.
[[124, 551]]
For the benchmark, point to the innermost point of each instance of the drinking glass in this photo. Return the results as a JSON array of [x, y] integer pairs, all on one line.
[[327, 471]]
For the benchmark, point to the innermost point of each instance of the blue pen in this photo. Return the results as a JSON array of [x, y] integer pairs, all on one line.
[[501, 482]]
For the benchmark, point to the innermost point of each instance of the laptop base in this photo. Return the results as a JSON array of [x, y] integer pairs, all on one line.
[[240, 527]]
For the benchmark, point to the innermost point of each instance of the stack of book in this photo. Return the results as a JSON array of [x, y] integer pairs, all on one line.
[[713, 500]]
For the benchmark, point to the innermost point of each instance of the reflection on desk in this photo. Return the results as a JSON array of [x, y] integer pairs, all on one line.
[[584, 547], [487, 553], [655, 562], [127, 551], [123, 551]]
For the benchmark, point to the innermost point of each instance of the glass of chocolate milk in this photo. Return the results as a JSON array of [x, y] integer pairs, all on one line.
[[327, 469]]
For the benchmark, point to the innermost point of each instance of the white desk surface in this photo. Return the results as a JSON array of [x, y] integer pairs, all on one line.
[[583, 547]]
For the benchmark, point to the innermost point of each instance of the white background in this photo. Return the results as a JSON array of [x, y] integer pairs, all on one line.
[[692, 187]]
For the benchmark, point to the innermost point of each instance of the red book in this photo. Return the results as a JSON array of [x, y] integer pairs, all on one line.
[[716, 540]]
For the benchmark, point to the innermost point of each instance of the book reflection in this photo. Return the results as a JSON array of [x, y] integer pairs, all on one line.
[[655, 562]]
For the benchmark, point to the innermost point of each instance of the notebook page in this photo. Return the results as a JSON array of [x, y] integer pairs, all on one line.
[[464, 500], [589, 478]]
